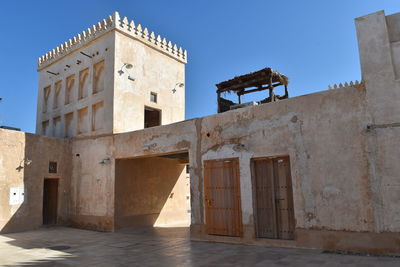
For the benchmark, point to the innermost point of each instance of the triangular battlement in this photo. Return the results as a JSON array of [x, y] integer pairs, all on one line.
[[107, 25], [355, 84]]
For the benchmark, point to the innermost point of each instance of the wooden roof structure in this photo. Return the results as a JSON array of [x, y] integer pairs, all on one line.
[[264, 79]]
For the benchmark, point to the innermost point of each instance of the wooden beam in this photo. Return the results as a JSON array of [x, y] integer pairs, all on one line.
[[258, 89], [253, 90], [238, 87], [246, 84]]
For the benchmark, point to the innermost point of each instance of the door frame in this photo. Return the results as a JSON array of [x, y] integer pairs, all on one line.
[[254, 194], [58, 196], [153, 109], [237, 160]]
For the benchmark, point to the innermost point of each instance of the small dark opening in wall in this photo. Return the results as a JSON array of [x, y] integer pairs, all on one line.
[[152, 117], [52, 167], [187, 168], [153, 97]]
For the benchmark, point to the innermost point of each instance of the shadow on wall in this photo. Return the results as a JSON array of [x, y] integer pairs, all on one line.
[[151, 192], [26, 164]]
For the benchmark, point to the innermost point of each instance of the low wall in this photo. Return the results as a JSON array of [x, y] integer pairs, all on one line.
[[25, 213]]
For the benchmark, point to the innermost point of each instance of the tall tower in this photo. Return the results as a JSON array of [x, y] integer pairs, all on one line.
[[379, 46], [113, 77]]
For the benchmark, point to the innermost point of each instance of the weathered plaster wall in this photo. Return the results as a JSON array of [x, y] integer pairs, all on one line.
[[378, 44], [73, 63], [151, 191], [92, 184], [330, 150], [14, 147], [326, 150], [153, 72]]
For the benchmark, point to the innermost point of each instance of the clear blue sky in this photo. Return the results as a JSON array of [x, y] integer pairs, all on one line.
[[312, 42]]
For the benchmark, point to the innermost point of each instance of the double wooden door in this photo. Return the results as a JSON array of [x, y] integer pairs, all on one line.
[[273, 198], [222, 197]]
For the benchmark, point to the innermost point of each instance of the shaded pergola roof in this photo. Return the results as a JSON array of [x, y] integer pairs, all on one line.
[[264, 79], [254, 79]]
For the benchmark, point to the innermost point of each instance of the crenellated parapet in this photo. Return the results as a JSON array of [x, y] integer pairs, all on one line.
[[150, 38], [123, 25], [355, 84]]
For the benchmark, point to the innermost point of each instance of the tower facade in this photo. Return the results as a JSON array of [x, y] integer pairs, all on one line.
[[113, 77]]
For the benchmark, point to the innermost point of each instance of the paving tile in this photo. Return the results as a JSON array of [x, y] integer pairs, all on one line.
[[157, 247]]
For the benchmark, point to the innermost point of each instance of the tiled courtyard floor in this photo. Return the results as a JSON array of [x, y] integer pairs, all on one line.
[[61, 246]]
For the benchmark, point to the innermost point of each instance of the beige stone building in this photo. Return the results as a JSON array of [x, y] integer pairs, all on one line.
[[113, 77], [314, 171]]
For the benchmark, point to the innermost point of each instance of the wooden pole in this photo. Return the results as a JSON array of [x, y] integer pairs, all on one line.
[[271, 90], [286, 91], [218, 102]]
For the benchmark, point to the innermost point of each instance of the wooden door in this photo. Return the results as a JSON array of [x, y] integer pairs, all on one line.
[[273, 198], [50, 196], [265, 206], [222, 197]]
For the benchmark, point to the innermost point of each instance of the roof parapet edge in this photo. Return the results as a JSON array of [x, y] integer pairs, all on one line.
[[106, 25]]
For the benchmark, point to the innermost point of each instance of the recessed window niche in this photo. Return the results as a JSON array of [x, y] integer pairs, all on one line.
[[46, 95], [97, 116], [57, 127], [45, 128], [68, 130], [83, 83], [57, 93], [69, 89], [83, 121], [98, 77]]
